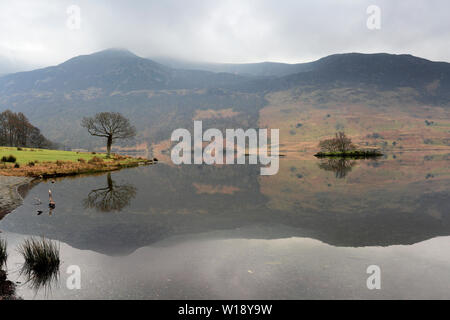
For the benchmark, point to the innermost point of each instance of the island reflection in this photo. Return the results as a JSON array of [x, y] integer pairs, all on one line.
[[340, 166]]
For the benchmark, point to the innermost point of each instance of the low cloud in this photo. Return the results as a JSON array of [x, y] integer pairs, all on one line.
[[35, 32]]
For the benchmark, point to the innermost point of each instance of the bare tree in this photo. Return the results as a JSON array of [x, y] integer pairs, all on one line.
[[341, 143], [110, 125]]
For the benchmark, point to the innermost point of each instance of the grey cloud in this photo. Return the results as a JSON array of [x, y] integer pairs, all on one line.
[[223, 31]]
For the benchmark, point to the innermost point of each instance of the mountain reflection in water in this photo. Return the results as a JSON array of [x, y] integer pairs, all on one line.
[[397, 201]]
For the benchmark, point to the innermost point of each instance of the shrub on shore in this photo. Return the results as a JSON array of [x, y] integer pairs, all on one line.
[[9, 158]]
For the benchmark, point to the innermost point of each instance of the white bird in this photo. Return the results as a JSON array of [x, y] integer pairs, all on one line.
[[51, 203]]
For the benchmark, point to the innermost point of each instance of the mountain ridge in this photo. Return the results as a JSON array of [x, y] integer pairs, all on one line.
[[112, 69], [159, 98]]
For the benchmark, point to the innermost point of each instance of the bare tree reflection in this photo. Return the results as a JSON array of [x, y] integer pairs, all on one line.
[[113, 197], [341, 166]]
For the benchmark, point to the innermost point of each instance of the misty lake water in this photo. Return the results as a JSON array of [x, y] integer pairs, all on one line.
[[225, 232]]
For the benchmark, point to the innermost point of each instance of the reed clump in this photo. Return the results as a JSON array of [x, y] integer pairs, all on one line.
[[40, 255]]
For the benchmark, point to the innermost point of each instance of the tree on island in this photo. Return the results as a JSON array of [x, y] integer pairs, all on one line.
[[340, 143], [110, 125]]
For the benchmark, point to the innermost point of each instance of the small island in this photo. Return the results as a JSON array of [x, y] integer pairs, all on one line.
[[342, 147]]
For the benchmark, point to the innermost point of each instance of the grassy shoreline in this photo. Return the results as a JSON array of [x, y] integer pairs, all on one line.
[[43, 163]]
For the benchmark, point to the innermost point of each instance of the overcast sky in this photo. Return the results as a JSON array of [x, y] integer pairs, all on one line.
[[35, 32]]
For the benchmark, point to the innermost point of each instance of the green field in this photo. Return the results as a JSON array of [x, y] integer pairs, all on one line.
[[27, 155]]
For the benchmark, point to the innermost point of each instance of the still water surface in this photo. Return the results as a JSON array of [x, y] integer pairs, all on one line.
[[225, 232]]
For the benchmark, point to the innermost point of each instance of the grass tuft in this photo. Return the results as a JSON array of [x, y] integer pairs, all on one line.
[[41, 266], [40, 255]]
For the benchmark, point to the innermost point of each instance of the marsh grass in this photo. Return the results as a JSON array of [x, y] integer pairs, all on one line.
[[3, 253], [41, 266]]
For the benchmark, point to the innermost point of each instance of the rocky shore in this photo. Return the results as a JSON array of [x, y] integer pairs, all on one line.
[[7, 288], [9, 195]]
